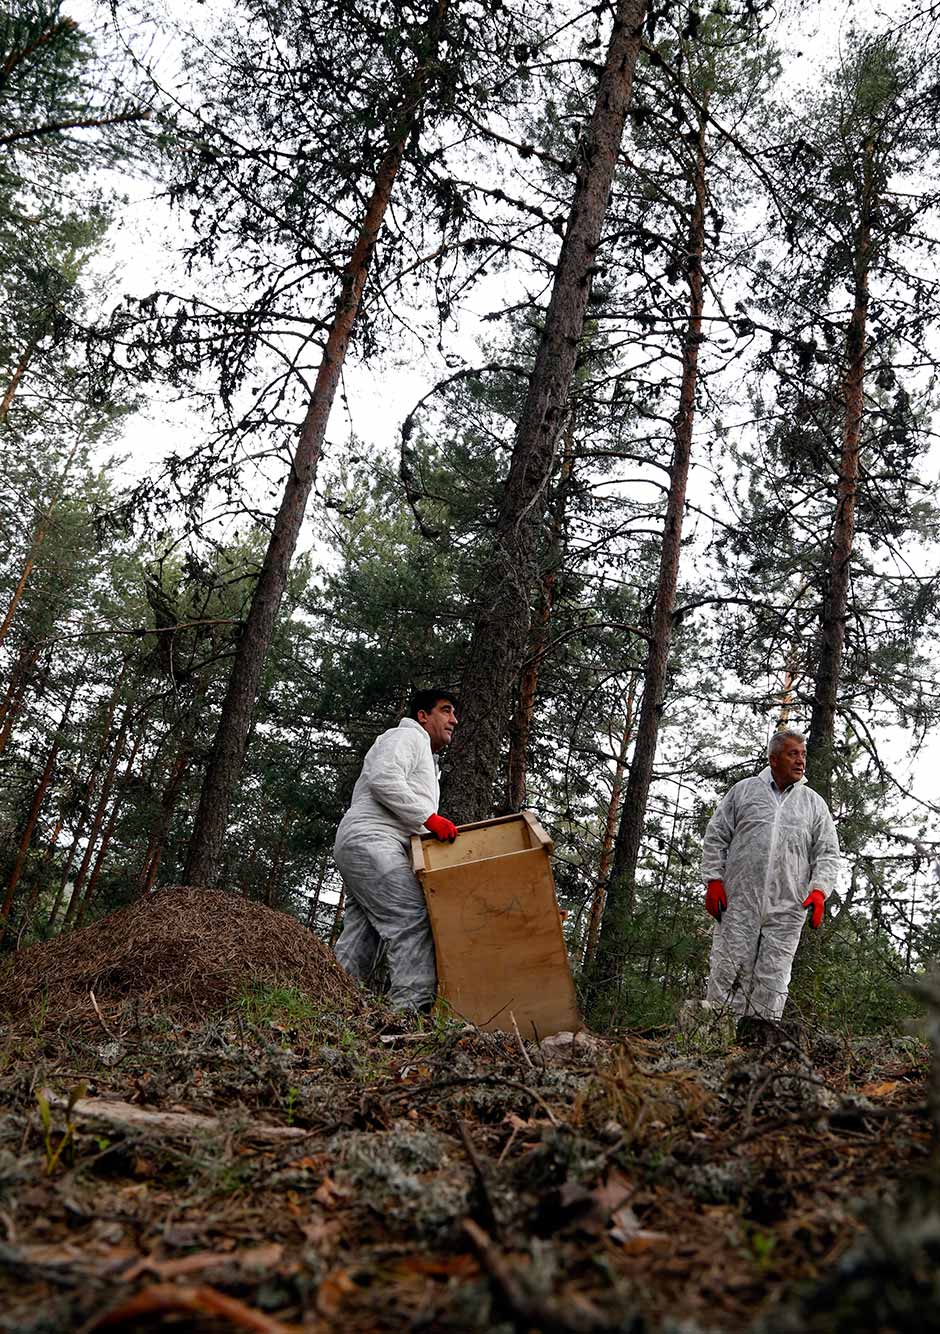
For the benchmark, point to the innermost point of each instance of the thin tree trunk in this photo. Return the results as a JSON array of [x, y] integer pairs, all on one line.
[[16, 692], [520, 728], [98, 817], [277, 862], [39, 537], [315, 901], [338, 916], [15, 378], [108, 833], [501, 632], [33, 899], [621, 890], [610, 827], [819, 759], [38, 798], [228, 752], [87, 795], [171, 795]]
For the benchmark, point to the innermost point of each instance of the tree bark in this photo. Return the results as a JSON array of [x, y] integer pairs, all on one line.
[[228, 752], [610, 828], [501, 632], [15, 378], [520, 729], [621, 890], [819, 758]]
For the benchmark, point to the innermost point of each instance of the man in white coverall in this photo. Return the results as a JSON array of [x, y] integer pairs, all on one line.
[[395, 796], [770, 853]]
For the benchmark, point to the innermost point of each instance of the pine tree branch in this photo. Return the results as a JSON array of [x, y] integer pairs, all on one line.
[[91, 123]]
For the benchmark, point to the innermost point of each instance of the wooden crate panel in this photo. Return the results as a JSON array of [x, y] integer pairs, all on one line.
[[498, 938], [476, 842]]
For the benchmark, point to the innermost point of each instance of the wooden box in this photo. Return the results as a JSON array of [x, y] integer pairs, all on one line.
[[501, 954]]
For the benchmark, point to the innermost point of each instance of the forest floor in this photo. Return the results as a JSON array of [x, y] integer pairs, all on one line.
[[286, 1162]]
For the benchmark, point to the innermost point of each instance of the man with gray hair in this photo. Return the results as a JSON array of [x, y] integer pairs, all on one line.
[[770, 853]]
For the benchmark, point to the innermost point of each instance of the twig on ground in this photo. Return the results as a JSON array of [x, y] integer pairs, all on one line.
[[128, 1116], [525, 1054], [414, 1089], [480, 1172], [800, 1118], [530, 1310], [201, 1300], [101, 1017]]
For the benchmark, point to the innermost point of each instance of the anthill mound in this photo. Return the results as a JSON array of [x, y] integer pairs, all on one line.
[[180, 951]]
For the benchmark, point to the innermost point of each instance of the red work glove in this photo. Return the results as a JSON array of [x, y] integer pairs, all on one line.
[[715, 899], [443, 829], [816, 900]]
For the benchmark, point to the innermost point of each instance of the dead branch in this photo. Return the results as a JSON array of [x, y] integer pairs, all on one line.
[[203, 1300], [128, 1117], [544, 1313]]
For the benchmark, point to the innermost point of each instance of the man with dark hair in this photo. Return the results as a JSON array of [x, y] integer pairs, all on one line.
[[396, 795], [770, 853]]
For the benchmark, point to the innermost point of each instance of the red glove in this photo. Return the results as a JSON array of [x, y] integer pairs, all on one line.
[[443, 829], [816, 900], [715, 899]]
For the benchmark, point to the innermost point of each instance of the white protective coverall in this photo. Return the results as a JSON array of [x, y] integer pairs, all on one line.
[[770, 849], [398, 789]]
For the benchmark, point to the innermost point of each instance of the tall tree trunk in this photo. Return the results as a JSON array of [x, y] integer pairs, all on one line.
[[16, 692], [14, 384], [501, 632], [610, 827], [38, 797], [98, 817], [819, 759], [621, 891], [520, 728], [39, 536], [228, 751]]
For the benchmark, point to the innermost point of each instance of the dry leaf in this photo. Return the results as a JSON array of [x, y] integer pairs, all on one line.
[[880, 1090], [329, 1194], [643, 1240], [333, 1292], [321, 1233], [443, 1266]]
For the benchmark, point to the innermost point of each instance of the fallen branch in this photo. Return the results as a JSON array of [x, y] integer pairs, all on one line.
[[480, 1173], [401, 1039], [414, 1089], [845, 1112], [525, 1055], [160, 1297], [545, 1313], [127, 1116], [101, 1017]]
